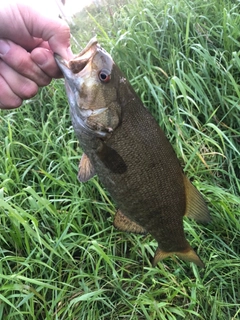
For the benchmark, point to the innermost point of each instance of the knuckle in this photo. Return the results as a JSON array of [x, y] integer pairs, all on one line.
[[46, 82], [10, 102], [28, 90], [22, 65], [19, 62], [8, 99]]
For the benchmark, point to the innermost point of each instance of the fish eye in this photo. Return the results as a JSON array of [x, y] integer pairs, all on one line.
[[104, 76]]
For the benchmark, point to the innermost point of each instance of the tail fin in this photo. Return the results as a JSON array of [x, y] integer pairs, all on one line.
[[186, 255]]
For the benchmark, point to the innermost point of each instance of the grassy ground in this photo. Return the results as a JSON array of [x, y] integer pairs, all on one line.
[[60, 257]]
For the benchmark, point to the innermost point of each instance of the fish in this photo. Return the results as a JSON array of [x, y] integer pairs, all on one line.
[[126, 148]]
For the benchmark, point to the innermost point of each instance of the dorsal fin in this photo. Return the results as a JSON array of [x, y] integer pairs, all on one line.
[[123, 223], [86, 170], [196, 207]]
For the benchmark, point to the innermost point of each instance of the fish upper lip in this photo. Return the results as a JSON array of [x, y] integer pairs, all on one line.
[[59, 59], [63, 65]]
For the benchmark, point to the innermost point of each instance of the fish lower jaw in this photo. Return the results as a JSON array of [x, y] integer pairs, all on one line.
[[83, 124]]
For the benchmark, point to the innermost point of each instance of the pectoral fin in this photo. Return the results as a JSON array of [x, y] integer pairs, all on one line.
[[123, 223], [111, 159], [186, 255], [196, 207], [86, 169]]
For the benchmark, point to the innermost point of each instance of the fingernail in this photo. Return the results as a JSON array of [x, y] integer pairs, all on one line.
[[66, 53], [4, 47], [69, 53]]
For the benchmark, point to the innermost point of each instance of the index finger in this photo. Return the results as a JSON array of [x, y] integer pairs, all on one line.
[[34, 24], [53, 30]]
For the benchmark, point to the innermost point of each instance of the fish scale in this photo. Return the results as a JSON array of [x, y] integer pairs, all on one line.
[[124, 145]]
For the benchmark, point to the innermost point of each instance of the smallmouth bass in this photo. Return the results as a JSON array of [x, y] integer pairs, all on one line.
[[124, 145]]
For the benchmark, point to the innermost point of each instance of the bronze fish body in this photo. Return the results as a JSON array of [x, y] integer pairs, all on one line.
[[124, 145]]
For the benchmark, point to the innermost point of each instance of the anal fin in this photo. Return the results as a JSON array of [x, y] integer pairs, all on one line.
[[187, 255], [196, 207], [86, 170], [123, 223]]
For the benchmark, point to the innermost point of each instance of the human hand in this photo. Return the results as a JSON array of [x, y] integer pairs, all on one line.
[[28, 40]]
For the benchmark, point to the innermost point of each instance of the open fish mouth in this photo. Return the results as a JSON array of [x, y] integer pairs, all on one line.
[[83, 58], [76, 69], [78, 63], [74, 72]]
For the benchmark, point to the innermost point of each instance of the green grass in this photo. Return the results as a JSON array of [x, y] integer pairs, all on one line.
[[60, 257]]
